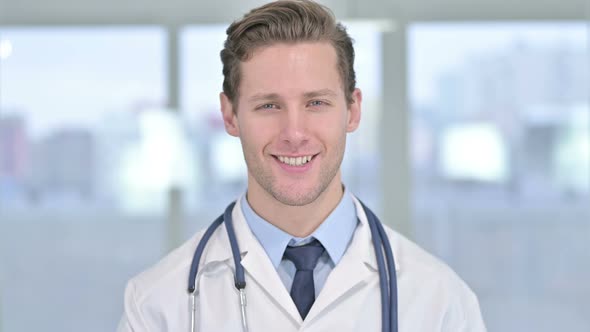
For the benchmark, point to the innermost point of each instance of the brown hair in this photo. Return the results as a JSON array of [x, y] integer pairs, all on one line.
[[285, 21]]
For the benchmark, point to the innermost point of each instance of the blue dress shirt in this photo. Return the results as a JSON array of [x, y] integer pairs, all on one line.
[[334, 234]]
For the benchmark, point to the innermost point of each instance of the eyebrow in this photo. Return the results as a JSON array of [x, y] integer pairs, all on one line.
[[307, 95], [320, 93], [264, 96]]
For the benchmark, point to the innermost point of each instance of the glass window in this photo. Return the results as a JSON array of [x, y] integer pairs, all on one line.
[[500, 130], [79, 112]]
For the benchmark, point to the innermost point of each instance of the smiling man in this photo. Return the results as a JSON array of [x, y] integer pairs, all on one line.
[[305, 243], [292, 115]]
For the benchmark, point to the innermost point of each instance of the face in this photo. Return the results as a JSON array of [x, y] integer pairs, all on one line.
[[292, 118]]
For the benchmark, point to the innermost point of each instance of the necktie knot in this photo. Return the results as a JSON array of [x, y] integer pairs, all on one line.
[[305, 257]]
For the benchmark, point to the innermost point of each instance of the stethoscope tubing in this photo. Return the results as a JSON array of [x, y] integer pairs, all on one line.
[[192, 277], [381, 244], [388, 307]]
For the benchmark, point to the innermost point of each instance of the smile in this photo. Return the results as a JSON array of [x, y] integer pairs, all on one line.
[[295, 161]]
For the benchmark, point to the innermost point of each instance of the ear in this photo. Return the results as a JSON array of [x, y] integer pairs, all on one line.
[[230, 120], [354, 111]]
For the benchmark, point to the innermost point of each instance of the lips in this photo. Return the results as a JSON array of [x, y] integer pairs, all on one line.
[[300, 162], [295, 161]]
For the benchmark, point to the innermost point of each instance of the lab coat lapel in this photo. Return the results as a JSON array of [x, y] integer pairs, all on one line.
[[357, 266], [259, 267], [348, 276]]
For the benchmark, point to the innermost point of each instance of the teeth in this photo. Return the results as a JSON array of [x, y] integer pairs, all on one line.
[[299, 161]]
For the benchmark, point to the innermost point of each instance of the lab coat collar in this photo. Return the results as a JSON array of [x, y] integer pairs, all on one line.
[[370, 258], [356, 266], [255, 261], [218, 248]]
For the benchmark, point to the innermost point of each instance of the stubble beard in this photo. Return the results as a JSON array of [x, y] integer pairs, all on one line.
[[290, 195]]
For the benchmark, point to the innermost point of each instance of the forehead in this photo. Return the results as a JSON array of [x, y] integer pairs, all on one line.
[[291, 69]]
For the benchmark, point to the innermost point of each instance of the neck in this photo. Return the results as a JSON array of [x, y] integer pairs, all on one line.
[[299, 221]]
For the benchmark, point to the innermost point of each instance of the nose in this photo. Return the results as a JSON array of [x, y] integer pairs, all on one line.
[[294, 129]]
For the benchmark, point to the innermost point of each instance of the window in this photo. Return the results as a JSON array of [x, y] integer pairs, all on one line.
[[76, 109], [500, 129]]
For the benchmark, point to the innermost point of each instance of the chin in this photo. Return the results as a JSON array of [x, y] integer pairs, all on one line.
[[293, 197]]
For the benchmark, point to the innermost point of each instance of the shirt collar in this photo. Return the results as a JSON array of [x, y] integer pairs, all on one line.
[[334, 233]]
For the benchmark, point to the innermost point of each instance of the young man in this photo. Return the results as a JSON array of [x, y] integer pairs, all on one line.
[[289, 94]]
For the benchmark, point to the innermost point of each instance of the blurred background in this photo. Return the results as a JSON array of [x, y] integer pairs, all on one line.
[[475, 143]]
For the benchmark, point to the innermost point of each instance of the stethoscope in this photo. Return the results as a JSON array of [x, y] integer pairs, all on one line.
[[387, 275]]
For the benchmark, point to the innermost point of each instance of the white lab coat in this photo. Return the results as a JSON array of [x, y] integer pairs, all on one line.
[[431, 297]]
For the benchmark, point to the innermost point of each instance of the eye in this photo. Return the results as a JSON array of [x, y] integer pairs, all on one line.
[[268, 106], [317, 103]]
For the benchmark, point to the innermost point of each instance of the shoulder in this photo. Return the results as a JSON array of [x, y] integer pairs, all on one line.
[[155, 293], [427, 280], [413, 259], [417, 266], [168, 273], [421, 265]]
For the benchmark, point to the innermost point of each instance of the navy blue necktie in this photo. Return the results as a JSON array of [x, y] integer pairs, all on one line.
[[305, 259]]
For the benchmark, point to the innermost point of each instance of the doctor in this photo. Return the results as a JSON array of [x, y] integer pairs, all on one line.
[[289, 94]]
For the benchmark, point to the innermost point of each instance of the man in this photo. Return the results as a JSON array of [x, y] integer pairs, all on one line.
[[289, 94]]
